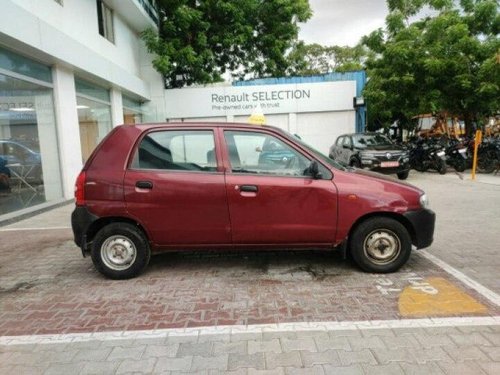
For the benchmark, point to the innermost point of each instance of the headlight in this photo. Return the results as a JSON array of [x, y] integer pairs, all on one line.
[[424, 201]]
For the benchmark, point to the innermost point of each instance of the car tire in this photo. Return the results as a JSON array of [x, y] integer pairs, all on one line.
[[459, 164], [442, 166], [403, 175], [380, 245], [355, 163], [120, 251]]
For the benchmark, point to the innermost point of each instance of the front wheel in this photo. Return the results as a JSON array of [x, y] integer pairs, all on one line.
[[380, 244], [120, 251], [403, 175], [441, 166], [459, 164]]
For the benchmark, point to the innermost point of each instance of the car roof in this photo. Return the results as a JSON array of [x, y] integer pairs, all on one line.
[[204, 124]]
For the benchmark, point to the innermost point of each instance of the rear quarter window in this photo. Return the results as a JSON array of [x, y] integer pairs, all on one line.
[[182, 150]]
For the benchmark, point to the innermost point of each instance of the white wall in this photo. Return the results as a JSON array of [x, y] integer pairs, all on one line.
[[78, 20], [322, 129], [69, 34]]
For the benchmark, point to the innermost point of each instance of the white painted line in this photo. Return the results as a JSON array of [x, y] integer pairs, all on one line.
[[485, 292], [27, 229], [240, 329]]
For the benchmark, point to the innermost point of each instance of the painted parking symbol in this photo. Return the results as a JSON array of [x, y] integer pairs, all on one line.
[[436, 296]]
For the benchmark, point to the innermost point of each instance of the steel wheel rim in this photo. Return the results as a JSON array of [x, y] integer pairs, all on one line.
[[382, 246], [118, 252]]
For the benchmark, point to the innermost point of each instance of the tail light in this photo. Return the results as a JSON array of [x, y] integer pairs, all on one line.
[[80, 189]]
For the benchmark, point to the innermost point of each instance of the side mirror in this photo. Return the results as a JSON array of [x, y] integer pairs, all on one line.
[[313, 170]]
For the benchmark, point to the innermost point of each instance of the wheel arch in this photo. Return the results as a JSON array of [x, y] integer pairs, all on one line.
[[100, 223], [392, 215]]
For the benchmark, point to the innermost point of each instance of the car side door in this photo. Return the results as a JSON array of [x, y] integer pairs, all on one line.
[[272, 200], [175, 188]]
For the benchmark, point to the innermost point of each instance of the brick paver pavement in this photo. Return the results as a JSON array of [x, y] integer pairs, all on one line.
[[46, 287]]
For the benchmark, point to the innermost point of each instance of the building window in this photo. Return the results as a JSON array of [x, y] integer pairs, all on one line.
[[132, 111], [94, 114], [105, 20]]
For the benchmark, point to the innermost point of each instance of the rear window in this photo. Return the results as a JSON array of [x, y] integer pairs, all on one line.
[[188, 150]]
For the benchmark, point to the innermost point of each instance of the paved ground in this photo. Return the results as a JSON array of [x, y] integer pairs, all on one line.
[[46, 287]]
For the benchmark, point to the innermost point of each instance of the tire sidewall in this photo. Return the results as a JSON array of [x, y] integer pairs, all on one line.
[[368, 226], [134, 234]]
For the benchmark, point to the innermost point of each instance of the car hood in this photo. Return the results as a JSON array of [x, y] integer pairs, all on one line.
[[383, 177]]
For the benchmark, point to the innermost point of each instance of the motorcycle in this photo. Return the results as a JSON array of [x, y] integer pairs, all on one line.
[[426, 155]]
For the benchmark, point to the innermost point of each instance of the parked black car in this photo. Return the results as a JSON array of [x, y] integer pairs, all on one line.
[[373, 151]]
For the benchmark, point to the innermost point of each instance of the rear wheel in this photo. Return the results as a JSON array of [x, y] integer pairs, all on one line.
[[120, 251], [380, 244]]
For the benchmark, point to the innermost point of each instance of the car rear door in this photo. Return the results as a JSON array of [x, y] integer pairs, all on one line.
[[271, 201], [175, 188]]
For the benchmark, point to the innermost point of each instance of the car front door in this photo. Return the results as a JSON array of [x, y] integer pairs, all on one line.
[[271, 200], [175, 188]]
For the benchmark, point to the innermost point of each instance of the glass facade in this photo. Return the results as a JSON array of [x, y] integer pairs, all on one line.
[[94, 115], [29, 156]]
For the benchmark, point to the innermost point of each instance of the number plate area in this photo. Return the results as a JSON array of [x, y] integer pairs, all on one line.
[[389, 164]]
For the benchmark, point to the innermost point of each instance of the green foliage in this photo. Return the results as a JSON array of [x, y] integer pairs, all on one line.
[[449, 62], [200, 40], [310, 59]]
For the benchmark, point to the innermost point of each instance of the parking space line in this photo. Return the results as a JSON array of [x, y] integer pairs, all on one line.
[[28, 229], [482, 290], [261, 328]]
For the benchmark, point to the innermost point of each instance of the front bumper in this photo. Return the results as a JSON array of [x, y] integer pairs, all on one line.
[[81, 220], [423, 222]]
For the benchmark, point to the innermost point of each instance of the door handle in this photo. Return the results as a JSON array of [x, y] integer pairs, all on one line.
[[249, 188], [144, 184]]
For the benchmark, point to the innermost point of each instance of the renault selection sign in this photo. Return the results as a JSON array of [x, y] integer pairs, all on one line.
[[242, 100]]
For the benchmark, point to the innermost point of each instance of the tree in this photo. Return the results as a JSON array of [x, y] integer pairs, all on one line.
[[200, 40], [448, 62], [310, 59]]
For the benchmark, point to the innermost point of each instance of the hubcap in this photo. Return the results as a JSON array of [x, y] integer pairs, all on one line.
[[382, 246], [118, 253]]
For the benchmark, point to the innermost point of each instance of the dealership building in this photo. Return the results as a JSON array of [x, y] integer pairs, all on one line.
[[71, 70]]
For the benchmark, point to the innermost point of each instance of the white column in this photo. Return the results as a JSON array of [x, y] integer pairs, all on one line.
[[68, 129], [48, 145], [116, 107], [155, 109]]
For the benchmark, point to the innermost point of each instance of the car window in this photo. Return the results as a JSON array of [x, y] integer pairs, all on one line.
[[339, 141], [261, 153], [347, 141], [191, 150], [365, 140]]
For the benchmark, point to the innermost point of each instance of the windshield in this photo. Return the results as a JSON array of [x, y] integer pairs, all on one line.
[[315, 152], [367, 140]]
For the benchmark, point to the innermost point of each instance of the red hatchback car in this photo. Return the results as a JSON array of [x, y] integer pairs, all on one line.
[[161, 187]]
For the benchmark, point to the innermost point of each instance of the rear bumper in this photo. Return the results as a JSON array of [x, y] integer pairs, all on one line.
[[81, 220], [423, 222]]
